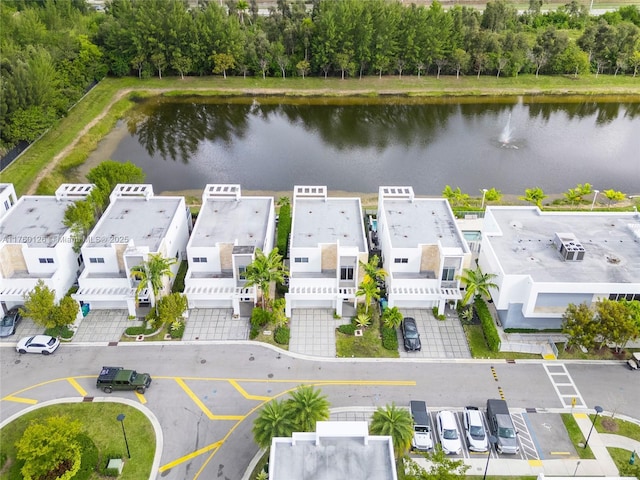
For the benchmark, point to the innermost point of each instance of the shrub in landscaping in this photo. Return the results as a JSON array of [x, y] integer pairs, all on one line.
[[347, 329], [284, 228], [389, 338], [89, 462], [260, 317], [177, 329], [254, 332], [141, 330], [62, 332], [488, 325], [281, 335]]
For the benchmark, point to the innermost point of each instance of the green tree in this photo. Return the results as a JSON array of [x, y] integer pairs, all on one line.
[[65, 312], [578, 323], [274, 420], [392, 317], [616, 323], [151, 274], [303, 67], [395, 422], [159, 61], [45, 446], [171, 308], [222, 62], [493, 195], [477, 283], [39, 304], [370, 291], [534, 195], [459, 59], [264, 270], [307, 406], [113, 173], [80, 218], [182, 64], [440, 467]]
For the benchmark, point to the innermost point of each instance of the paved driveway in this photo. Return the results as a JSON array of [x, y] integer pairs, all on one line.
[[104, 326], [313, 331], [215, 324], [440, 338]]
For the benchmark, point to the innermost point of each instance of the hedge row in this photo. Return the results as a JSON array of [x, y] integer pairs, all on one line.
[[389, 338], [284, 227], [488, 325]]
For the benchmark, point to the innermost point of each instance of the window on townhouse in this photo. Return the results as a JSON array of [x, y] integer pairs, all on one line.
[[346, 273], [448, 274], [242, 273], [624, 296], [301, 260], [400, 260], [96, 260], [199, 259], [45, 260]]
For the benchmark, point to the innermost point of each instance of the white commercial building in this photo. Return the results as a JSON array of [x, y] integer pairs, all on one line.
[[423, 250], [229, 229], [327, 243], [135, 225], [336, 450], [35, 244], [546, 260]]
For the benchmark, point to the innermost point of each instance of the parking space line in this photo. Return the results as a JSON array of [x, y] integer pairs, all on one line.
[[558, 374], [202, 406], [141, 398], [28, 401], [76, 385], [246, 395], [189, 456], [525, 437]]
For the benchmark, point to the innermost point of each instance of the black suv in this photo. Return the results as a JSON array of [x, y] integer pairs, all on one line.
[[410, 335]]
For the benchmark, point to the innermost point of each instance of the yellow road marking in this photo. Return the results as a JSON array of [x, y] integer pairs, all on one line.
[[76, 385], [580, 415], [560, 453], [141, 397], [189, 456], [246, 395], [203, 407], [535, 463], [30, 401]]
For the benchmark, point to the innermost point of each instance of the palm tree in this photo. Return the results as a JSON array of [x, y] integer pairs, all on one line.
[[372, 270], [371, 291], [307, 406], [477, 283], [395, 422], [392, 317], [265, 269], [151, 275], [274, 420], [534, 195]]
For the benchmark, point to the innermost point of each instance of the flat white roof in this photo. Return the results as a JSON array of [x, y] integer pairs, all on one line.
[[35, 221], [327, 220], [416, 221], [522, 238], [143, 220], [243, 222]]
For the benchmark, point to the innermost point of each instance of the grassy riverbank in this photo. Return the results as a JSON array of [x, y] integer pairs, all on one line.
[[51, 160]]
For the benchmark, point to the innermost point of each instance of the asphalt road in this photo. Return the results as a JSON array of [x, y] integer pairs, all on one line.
[[207, 395]]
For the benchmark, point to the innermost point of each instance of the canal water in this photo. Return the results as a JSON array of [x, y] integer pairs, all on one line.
[[357, 144]]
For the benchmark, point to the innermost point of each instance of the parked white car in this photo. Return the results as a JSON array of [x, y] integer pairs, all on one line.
[[43, 344], [448, 432], [474, 430]]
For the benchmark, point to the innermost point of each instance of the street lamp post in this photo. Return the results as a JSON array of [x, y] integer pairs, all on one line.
[[598, 410], [576, 470], [120, 418], [484, 192], [492, 442], [595, 195]]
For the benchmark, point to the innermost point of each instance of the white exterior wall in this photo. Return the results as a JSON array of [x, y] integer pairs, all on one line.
[[212, 254], [315, 260], [110, 264]]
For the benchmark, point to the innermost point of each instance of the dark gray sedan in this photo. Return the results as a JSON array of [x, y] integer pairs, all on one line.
[[10, 321], [410, 335]]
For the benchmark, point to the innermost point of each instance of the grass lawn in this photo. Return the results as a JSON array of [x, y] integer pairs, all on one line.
[[100, 424], [479, 348], [369, 345], [576, 436], [617, 427], [621, 458]]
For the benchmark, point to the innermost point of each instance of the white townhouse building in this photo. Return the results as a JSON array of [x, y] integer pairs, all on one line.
[[327, 242], [336, 450], [546, 260], [135, 224], [229, 229], [8, 198], [423, 250], [35, 244]]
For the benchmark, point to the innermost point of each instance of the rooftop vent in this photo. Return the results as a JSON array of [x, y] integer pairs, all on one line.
[[571, 250]]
